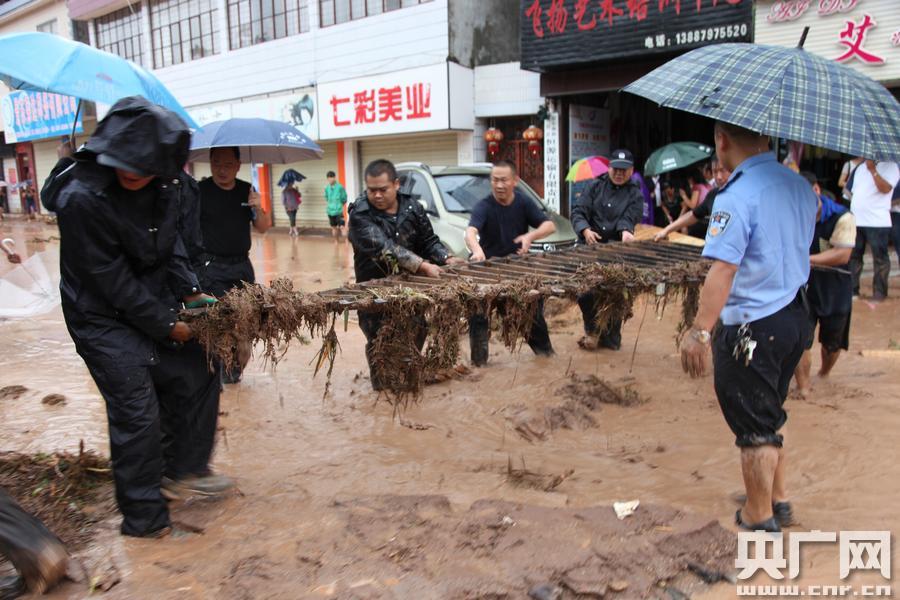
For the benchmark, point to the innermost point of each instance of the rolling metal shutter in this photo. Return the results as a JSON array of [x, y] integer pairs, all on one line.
[[433, 149], [312, 211]]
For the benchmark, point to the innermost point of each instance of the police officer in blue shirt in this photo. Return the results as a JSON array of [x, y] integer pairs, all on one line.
[[759, 237]]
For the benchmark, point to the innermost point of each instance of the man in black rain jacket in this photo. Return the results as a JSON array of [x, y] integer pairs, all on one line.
[[607, 211], [123, 270], [390, 232]]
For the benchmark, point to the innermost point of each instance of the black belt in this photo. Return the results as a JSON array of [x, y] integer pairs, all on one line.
[[228, 259]]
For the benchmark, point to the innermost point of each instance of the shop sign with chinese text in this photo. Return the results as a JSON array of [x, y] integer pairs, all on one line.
[[566, 33], [862, 34], [38, 115], [406, 101]]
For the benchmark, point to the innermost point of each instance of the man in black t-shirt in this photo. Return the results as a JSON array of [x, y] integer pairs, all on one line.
[[228, 206], [499, 226]]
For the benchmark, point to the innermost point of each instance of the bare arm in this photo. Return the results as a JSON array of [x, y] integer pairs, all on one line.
[[833, 257], [716, 288], [473, 245], [686, 220], [883, 186], [546, 228], [690, 202]]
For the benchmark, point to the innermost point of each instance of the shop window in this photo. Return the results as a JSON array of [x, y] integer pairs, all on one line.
[[256, 21], [80, 32], [183, 30], [120, 32], [335, 12], [48, 27]]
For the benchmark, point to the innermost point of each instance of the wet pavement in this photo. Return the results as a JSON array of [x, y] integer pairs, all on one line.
[[302, 458]]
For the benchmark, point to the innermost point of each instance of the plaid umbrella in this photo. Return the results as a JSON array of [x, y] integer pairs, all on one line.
[[782, 92]]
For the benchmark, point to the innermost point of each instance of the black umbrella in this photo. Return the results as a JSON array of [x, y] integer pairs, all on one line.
[[290, 176]]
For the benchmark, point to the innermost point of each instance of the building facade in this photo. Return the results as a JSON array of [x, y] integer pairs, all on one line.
[[366, 79], [584, 53]]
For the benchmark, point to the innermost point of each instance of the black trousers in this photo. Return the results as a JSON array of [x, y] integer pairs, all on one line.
[[370, 323], [878, 238], [162, 421], [479, 335], [609, 337], [751, 395], [22, 536], [218, 274]]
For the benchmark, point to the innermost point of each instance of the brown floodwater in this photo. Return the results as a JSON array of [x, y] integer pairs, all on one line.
[[300, 456]]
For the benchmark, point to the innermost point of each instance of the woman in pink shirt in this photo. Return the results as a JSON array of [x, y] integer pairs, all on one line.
[[699, 190]]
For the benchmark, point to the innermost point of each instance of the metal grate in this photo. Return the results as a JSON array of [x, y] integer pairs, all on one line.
[[553, 268]]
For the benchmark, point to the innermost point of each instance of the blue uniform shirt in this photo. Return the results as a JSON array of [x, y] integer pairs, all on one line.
[[763, 222]]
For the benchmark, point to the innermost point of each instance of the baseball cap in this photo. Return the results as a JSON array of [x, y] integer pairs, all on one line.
[[621, 159]]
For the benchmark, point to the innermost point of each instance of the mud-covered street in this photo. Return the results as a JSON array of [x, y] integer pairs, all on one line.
[[498, 481]]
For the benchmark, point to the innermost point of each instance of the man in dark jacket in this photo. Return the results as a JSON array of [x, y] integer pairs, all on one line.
[[123, 270], [607, 211], [390, 232]]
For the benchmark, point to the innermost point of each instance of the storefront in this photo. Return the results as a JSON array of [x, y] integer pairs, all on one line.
[[33, 124], [862, 34], [588, 115], [423, 115]]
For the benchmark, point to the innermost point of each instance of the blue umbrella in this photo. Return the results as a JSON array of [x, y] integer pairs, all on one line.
[[259, 141], [48, 63], [290, 176], [782, 92]]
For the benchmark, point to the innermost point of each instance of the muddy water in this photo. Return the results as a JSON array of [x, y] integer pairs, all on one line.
[[298, 456]]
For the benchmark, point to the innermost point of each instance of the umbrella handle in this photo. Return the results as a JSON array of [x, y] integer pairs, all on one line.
[[8, 246]]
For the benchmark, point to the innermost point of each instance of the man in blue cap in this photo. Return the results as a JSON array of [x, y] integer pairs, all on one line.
[[759, 237], [607, 211]]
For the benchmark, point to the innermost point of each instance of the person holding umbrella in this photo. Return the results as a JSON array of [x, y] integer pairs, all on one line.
[[228, 208], [124, 270], [759, 236], [291, 198]]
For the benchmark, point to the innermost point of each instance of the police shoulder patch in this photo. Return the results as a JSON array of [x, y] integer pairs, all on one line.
[[718, 222]]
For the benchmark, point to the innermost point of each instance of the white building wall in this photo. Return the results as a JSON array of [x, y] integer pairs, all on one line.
[[393, 41], [506, 90], [36, 13]]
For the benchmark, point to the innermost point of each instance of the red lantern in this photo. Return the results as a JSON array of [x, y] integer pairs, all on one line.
[[533, 135], [493, 137]]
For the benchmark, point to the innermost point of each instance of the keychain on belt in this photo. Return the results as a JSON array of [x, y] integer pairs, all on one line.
[[745, 345]]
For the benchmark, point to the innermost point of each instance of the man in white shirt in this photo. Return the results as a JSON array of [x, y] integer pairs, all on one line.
[[873, 184]]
